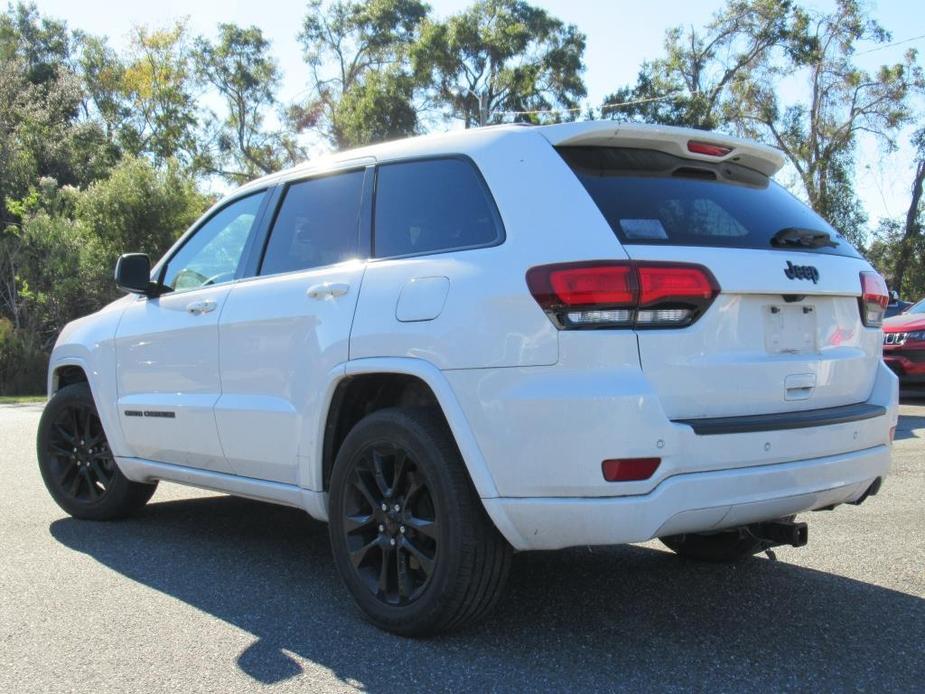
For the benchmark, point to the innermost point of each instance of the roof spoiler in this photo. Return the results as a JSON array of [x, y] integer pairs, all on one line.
[[670, 140]]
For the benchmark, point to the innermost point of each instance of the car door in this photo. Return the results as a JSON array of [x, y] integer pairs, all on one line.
[[167, 346], [283, 332]]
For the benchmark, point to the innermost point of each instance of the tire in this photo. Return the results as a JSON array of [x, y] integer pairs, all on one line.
[[726, 546], [76, 464], [445, 562]]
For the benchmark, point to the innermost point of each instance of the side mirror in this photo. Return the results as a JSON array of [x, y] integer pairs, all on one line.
[[133, 274]]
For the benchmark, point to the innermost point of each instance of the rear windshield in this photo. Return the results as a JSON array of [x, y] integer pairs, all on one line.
[[651, 197]]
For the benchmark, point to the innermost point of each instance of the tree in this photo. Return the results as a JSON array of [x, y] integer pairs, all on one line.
[[140, 207], [356, 53], [898, 250], [41, 131], [102, 72], [692, 83], [818, 136], [158, 85], [42, 44], [239, 66], [503, 58]]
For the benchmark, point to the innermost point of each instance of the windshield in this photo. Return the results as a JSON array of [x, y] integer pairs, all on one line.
[[650, 197], [917, 308]]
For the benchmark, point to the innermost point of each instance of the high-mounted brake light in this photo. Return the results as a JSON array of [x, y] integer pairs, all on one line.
[[707, 148], [874, 299], [622, 294]]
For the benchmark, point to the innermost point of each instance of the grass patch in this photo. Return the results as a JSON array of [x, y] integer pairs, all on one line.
[[21, 399]]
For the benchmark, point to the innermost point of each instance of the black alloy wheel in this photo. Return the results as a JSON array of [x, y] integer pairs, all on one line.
[[79, 454], [76, 462], [410, 537], [390, 525]]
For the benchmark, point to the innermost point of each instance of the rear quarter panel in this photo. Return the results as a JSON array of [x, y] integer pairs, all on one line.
[[489, 319]]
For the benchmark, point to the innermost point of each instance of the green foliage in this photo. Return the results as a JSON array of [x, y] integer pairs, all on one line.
[[501, 59], [42, 44], [357, 57], [899, 247], [140, 208], [380, 108], [888, 246], [239, 66], [157, 85]]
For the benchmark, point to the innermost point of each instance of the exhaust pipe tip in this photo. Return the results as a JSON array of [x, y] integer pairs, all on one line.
[[870, 491]]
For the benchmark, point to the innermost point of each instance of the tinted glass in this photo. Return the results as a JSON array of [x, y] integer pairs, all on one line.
[[317, 224], [654, 198], [213, 253], [431, 206], [917, 308]]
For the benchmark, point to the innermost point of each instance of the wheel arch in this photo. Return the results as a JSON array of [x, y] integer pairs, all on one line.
[[394, 381], [66, 374]]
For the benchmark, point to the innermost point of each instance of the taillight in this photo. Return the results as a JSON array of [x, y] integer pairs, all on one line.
[[874, 299], [622, 294], [707, 148]]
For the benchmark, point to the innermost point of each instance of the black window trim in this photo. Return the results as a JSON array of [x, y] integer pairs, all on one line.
[[363, 218], [160, 268], [499, 221]]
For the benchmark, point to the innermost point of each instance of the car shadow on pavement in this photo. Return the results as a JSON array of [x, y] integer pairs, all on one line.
[[592, 619]]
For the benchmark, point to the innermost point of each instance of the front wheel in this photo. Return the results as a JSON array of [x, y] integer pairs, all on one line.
[[75, 461], [410, 538]]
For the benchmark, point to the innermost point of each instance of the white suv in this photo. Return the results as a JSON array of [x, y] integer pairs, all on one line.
[[512, 338]]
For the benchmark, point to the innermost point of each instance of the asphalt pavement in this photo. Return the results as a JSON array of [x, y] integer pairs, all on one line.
[[204, 592]]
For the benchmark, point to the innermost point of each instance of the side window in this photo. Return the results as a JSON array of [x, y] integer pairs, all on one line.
[[431, 206], [317, 224], [213, 253]]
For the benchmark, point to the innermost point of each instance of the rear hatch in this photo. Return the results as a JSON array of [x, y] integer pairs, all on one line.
[[785, 332]]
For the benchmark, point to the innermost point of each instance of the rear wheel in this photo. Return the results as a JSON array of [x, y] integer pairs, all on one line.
[[76, 464], [728, 545], [410, 538]]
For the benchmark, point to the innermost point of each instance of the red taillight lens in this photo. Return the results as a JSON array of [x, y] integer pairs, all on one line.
[[874, 299], [629, 469], [657, 283], [609, 294], [710, 150], [604, 284]]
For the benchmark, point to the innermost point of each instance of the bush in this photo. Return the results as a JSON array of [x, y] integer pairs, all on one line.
[[23, 363]]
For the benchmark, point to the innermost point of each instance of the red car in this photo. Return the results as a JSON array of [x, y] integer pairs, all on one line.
[[904, 344]]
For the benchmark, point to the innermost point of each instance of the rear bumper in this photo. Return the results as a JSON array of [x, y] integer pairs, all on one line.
[[695, 502]]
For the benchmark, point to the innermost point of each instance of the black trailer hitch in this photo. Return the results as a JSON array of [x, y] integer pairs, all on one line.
[[779, 532]]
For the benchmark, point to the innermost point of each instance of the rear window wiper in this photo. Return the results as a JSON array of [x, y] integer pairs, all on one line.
[[807, 238]]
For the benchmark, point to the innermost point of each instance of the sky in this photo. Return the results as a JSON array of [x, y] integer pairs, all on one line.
[[620, 35]]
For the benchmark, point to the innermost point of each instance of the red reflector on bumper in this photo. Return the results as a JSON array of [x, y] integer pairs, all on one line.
[[629, 469]]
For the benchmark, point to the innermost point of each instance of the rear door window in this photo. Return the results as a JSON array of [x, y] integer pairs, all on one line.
[[650, 197], [317, 224], [430, 206]]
